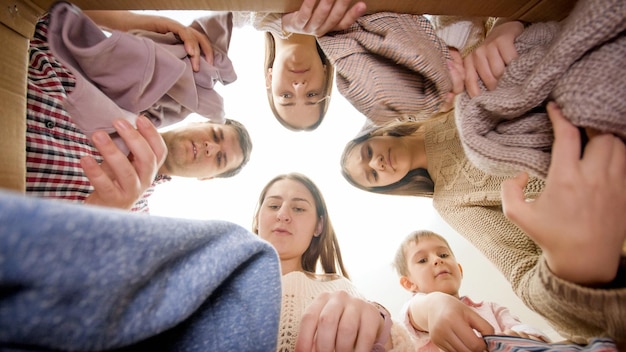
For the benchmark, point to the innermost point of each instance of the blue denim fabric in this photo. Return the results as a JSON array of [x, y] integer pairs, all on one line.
[[77, 278]]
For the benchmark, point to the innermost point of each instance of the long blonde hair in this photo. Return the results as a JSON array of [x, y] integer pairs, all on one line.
[[270, 55]]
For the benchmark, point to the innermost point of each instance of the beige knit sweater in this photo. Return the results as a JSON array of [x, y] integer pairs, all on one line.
[[299, 291], [469, 201]]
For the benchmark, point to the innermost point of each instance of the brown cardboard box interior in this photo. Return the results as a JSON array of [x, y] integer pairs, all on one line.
[[18, 19]]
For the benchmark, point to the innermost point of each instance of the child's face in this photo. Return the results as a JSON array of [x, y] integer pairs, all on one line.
[[432, 267]]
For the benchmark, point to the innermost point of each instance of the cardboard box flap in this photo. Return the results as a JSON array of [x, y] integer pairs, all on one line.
[[20, 16], [527, 10]]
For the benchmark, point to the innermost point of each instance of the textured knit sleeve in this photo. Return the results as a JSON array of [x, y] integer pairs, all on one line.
[[579, 312], [576, 312], [262, 21], [469, 201]]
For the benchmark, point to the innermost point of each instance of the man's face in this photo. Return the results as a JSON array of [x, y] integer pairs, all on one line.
[[202, 150]]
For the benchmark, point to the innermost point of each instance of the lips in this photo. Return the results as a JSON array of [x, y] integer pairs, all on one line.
[[442, 273], [389, 160], [195, 150], [281, 232]]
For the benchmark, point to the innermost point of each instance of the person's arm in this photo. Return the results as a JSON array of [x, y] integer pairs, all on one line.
[[581, 209], [449, 322], [520, 260], [121, 180], [196, 43]]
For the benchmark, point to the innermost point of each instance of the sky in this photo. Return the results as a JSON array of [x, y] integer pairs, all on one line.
[[369, 226]]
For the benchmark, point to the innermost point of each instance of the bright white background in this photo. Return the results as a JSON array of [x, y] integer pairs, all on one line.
[[369, 226]]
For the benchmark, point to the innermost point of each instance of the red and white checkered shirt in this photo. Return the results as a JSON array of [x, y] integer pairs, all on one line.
[[54, 145]]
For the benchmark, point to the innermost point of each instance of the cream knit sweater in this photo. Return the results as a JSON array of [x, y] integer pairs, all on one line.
[[299, 291], [469, 201]]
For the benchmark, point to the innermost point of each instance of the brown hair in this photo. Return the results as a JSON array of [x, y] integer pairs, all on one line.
[[270, 55], [245, 143], [323, 249], [400, 260]]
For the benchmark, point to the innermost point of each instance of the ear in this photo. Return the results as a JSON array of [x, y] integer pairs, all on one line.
[[461, 269], [408, 284], [319, 227]]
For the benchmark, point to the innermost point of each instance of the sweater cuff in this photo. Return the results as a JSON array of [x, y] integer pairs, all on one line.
[[607, 306]]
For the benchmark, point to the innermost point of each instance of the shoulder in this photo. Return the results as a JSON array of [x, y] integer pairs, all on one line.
[[324, 277]]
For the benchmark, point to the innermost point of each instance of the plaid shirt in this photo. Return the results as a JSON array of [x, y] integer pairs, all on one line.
[[54, 145]]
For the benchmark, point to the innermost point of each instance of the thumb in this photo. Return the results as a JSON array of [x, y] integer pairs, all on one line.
[[479, 324], [514, 204]]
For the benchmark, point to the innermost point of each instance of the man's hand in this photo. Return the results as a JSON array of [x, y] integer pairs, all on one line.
[[121, 180], [327, 16], [581, 211]]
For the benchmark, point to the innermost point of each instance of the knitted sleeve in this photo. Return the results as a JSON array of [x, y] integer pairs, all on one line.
[[577, 313]]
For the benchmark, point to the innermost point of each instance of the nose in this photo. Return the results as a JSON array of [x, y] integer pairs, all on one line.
[[438, 260], [283, 215], [299, 84], [377, 163], [211, 148]]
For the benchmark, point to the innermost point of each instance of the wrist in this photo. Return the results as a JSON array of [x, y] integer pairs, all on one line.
[[385, 333]]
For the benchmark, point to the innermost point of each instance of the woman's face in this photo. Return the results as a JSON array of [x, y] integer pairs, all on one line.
[[379, 161], [297, 81], [287, 218]]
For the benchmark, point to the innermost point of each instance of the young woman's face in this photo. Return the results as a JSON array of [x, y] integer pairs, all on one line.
[[287, 218], [379, 161], [433, 267], [297, 81]]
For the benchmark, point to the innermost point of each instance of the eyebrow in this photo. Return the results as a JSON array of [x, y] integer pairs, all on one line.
[[368, 175], [296, 199], [224, 160], [437, 249]]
